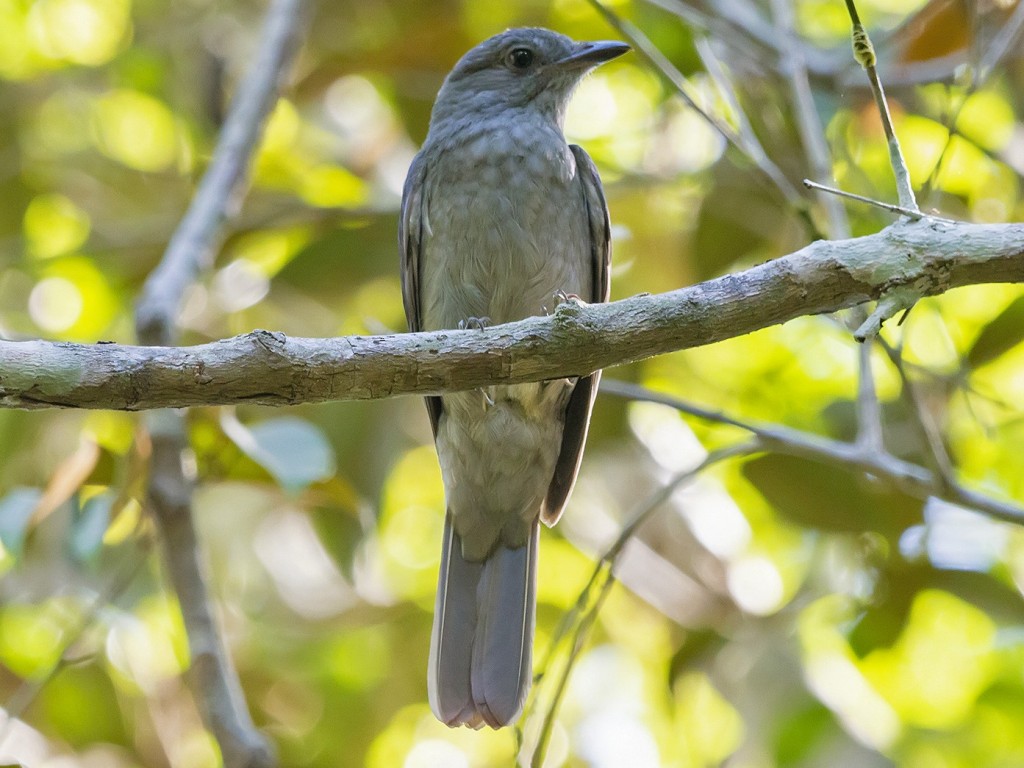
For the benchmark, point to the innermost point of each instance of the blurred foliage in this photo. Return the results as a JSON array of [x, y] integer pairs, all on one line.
[[775, 613]]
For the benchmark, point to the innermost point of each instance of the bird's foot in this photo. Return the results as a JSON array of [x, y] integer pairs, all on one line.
[[476, 323], [560, 298]]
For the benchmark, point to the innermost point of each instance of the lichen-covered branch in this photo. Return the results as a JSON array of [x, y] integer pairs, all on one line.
[[926, 258]]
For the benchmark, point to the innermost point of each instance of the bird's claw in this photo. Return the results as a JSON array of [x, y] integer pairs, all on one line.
[[561, 297], [476, 323]]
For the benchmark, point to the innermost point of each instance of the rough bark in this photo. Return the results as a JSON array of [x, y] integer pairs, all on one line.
[[900, 264]]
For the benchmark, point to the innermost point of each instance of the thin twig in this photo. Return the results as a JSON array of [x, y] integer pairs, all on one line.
[[26, 693], [746, 137], [949, 488], [738, 23], [1007, 36], [931, 440], [911, 478], [864, 52], [911, 213], [647, 50], [812, 133], [581, 619], [869, 409], [169, 495], [888, 306], [218, 196]]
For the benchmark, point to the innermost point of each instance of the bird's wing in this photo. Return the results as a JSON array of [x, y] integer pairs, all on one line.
[[411, 227], [581, 402]]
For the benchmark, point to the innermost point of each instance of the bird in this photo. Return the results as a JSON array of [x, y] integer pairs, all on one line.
[[501, 219]]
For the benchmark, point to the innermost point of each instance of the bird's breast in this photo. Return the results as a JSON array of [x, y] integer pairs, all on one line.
[[507, 229]]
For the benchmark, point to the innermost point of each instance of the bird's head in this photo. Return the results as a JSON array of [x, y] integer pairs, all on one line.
[[528, 68]]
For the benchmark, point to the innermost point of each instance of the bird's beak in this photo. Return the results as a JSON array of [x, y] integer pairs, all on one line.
[[589, 55]]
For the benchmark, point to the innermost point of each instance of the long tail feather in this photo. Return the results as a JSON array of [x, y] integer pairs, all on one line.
[[503, 647], [481, 646], [451, 643]]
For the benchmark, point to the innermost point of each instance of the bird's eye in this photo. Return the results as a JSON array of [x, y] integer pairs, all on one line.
[[520, 58]]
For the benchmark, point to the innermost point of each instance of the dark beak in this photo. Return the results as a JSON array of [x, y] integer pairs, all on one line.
[[589, 55]]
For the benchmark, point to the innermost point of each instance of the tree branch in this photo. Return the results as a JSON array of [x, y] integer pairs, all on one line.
[[219, 194], [925, 258], [169, 492], [911, 478]]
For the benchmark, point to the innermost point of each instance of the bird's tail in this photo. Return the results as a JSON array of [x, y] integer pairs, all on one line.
[[481, 646]]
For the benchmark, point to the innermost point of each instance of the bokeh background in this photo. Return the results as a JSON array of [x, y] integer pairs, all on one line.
[[774, 612]]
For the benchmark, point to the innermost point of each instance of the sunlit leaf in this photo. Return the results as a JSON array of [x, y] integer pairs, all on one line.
[[55, 225], [137, 130], [31, 637], [81, 31], [83, 704], [987, 119], [943, 633], [801, 733]]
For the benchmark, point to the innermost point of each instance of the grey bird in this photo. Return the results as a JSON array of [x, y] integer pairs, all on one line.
[[500, 214]]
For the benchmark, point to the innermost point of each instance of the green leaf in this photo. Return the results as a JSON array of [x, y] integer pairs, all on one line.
[[1002, 334], [15, 513], [340, 534], [291, 449], [699, 647], [89, 525], [802, 733], [881, 623], [830, 498], [739, 222]]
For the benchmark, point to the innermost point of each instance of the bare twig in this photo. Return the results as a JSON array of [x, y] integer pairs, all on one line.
[[739, 24], [646, 49], [581, 619], [26, 693], [912, 214], [889, 305], [1010, 33], [864, 52], [949, 488], [928, 432], [812, 133], [909, 477], [169, 495], [1007, 36], [869, 409], [219, 194], [745, 132]]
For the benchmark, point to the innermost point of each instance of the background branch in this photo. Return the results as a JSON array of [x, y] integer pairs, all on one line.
[[169, 493], [873, 461]]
